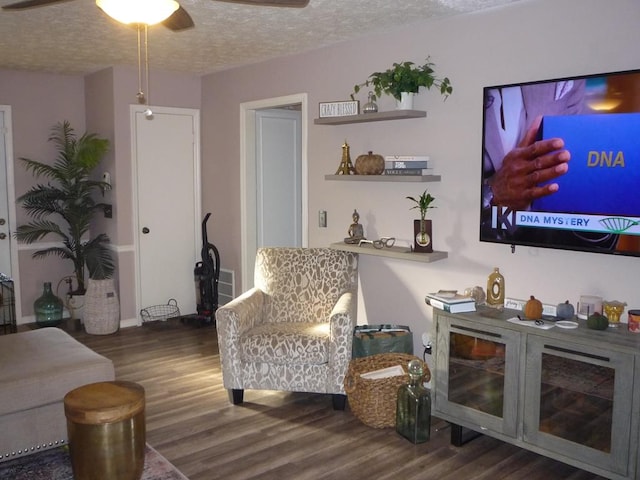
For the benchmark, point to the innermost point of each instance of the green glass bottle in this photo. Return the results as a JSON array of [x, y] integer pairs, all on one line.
[[48, 308], [413, 410]]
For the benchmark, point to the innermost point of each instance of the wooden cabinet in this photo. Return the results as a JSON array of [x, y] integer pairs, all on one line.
[[568, 394]]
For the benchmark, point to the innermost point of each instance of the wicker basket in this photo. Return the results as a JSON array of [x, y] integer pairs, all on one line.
[[374, 401], [160, 312]]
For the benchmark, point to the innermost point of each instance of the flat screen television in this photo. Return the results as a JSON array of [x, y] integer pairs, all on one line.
[[580, 194]]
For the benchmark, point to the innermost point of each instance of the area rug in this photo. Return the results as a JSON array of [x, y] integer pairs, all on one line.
[[55, 464]]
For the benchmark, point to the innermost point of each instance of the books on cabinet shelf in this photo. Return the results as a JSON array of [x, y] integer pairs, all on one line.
[[451, 302]]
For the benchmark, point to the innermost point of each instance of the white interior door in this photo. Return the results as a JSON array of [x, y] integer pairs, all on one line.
[[5, 244], [8, 243], [278, 175], [249, 182], [167, 201]]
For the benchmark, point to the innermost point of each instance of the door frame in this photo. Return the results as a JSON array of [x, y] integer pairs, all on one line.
[[11, 208], [248, 214], [197, 195]]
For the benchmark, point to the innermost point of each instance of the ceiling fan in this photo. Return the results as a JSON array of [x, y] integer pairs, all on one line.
[[179, 20]]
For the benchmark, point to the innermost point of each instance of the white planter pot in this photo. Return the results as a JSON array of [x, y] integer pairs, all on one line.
[[102, 308], [405, 102]]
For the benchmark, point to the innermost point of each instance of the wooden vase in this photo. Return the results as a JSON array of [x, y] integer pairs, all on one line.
[[422, 236]]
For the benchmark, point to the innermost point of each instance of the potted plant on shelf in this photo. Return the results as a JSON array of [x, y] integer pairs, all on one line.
[[422, 227], [405, 79], [64, 206]]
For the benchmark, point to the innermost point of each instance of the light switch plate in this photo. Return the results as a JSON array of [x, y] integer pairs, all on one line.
[[322, 219]]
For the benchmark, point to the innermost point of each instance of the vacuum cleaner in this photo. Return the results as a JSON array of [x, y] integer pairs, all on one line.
[[207, 273]]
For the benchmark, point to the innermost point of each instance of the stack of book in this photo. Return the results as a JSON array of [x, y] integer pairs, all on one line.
[[451, 302], [406, 165]]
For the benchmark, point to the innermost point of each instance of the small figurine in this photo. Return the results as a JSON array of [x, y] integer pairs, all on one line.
[[356, 232], [346, 167]]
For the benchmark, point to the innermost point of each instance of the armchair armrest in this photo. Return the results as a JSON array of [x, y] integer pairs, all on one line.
[[232, 319], [342, 321]]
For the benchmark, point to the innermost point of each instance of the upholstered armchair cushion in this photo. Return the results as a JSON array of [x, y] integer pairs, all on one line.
[[293, 330]]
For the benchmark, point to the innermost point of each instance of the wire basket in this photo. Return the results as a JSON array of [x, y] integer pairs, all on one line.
[[374, 401], [160, 312]]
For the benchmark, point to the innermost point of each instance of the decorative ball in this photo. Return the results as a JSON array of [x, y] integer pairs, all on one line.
[[477, 293], [369, 164]]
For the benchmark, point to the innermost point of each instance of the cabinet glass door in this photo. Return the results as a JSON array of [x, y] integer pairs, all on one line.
[[477, 374], [580, 401]]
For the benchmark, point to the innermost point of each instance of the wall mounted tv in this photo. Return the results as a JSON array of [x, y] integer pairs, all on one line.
[[561, 163]]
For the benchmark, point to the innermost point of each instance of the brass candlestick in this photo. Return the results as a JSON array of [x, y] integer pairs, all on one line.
[[346, 167]]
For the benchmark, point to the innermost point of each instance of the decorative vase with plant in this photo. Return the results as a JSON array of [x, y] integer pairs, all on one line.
[[422, 227], [64, 206], [405, 77]]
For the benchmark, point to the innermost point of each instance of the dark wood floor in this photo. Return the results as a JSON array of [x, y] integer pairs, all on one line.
[[276, 435]]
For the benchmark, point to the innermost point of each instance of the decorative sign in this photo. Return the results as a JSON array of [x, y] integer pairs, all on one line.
[[339, 109]]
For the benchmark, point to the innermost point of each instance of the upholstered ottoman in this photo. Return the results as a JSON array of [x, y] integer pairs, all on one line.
[[37, 369]]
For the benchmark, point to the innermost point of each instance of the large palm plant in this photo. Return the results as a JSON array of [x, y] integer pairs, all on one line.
[[65, 206]]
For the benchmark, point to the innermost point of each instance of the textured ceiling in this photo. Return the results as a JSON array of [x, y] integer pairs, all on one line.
[[75, 37]]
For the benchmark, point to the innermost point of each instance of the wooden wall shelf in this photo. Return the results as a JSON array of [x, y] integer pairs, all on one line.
[[401, 253], [371, 117], [384, 178]]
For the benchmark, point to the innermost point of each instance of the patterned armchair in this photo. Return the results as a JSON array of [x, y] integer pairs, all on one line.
[[293, 331]]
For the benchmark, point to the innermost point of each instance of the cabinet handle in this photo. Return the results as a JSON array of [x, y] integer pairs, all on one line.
[[473, 330], [579, 354]]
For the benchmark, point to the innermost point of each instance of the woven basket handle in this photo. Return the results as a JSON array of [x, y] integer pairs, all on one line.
[[350, 383]]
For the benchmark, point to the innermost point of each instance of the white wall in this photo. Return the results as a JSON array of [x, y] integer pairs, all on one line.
[[528, 40]]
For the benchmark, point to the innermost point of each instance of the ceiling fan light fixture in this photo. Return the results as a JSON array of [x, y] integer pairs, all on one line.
[[148, 12]]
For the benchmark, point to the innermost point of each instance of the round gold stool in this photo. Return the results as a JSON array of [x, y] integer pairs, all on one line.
[[106, 427]]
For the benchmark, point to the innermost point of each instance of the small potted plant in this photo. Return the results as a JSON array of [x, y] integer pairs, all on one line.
[[422, 227], [403, 80]]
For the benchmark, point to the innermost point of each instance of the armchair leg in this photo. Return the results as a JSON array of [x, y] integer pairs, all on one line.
[[236, 396], [339, 401]]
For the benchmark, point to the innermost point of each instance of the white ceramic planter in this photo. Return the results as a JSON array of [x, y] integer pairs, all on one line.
[[405, 102]]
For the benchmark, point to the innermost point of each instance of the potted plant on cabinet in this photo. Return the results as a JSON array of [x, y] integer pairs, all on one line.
[[64, 206], [422, 228], [403, 80]]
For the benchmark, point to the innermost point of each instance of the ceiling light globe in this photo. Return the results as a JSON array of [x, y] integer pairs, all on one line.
[[148, 12]]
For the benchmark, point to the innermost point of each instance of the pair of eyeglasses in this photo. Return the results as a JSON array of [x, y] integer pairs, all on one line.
[[381, 243]]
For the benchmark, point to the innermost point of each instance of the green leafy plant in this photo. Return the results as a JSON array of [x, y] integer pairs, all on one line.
[[422, 203], [64, 206], [405, 77]]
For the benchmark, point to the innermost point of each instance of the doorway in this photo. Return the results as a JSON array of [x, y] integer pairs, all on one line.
[[253, 139], [166, 172], [279, 177], [8, 244]]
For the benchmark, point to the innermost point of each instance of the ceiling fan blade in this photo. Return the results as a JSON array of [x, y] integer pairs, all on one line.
[[31, 4], [179, 20], [272, 3]]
